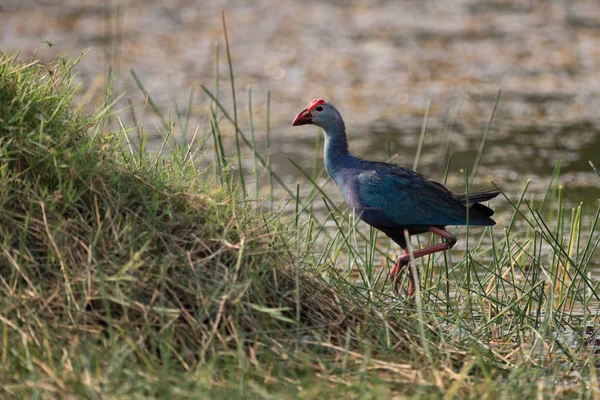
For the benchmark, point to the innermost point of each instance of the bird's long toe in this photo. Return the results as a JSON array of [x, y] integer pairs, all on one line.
[[397, 273], [411, 287], [399, 266]]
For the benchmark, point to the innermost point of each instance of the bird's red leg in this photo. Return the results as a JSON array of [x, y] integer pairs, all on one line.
[[403, 261], [448, 244]]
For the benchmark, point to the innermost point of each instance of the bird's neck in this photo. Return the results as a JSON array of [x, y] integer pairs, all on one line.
[[336, 148]]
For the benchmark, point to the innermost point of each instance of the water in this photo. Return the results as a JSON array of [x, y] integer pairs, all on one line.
[[380, 62]]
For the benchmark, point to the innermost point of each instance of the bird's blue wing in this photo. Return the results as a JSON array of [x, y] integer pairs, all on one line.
[[401, 197]]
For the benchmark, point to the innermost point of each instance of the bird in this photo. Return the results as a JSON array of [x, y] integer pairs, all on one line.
[[395, 200]]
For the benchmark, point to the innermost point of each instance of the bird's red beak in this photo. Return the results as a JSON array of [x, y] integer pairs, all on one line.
[[305, 117]]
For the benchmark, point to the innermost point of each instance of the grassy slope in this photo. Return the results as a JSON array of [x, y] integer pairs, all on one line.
[[124, 275]]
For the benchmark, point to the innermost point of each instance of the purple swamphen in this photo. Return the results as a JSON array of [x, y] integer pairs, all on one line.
[[391, 198]]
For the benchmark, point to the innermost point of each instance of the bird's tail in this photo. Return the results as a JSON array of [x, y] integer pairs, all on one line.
[[473, 200], [477, 196]]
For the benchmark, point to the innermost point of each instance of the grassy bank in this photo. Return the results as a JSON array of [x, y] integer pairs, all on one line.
[[127, 273]]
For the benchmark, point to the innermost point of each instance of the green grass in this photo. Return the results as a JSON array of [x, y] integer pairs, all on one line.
[[131, 273]]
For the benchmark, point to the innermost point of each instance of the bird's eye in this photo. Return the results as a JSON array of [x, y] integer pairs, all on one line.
[[319, 108]]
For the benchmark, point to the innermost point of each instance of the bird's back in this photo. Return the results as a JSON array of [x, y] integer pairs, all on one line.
[[387, 195]]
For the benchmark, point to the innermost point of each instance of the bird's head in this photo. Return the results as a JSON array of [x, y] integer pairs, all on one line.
[[318, 112]]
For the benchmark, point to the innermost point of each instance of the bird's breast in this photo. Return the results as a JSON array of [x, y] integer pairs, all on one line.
[[349, 187]]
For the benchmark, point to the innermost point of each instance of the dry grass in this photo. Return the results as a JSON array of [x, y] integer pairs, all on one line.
[[103, 253]]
